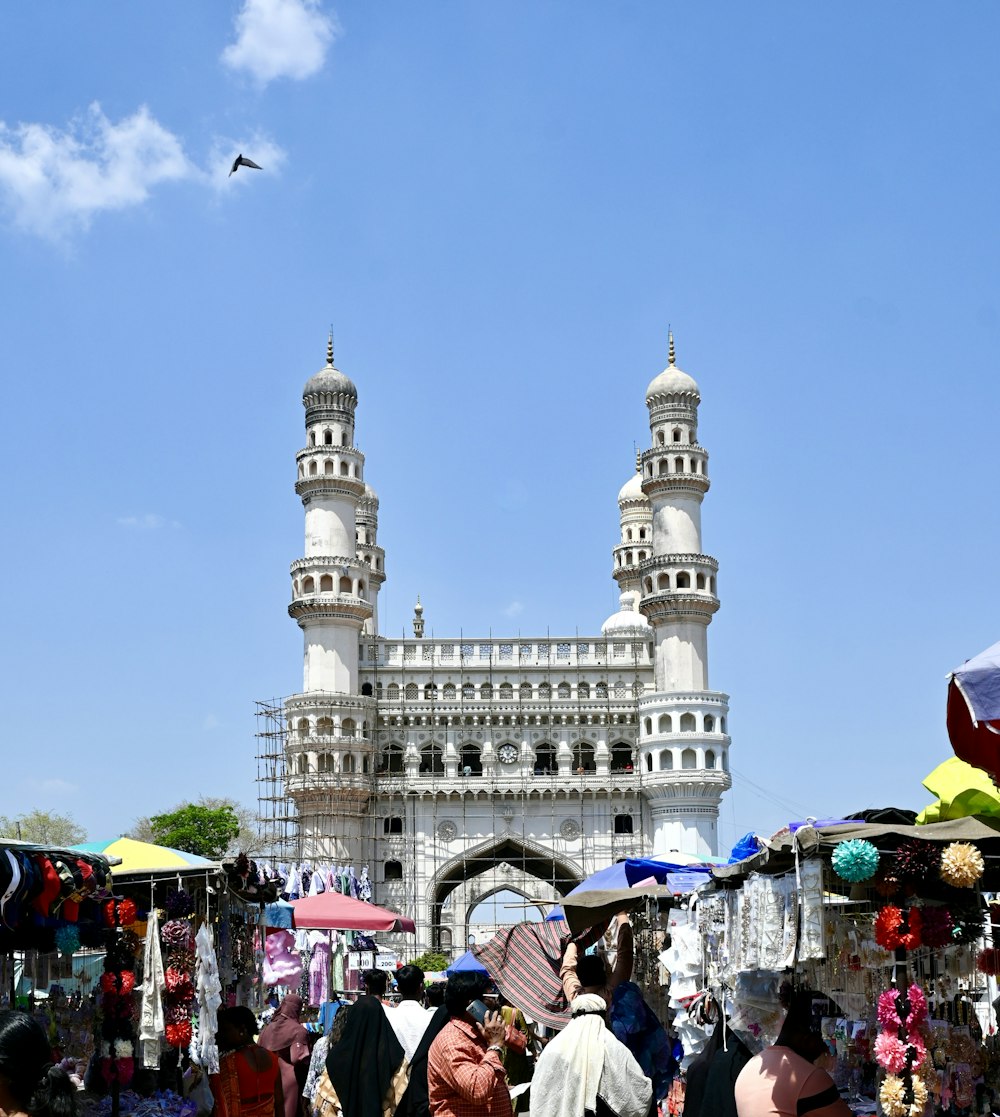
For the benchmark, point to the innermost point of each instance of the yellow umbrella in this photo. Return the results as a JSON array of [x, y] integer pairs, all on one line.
[[144, 857], [961, 791]]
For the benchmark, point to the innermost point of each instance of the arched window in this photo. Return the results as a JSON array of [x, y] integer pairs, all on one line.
[[324, 727], [308, 585], [601, 691], [468, 692], [345, 469], [393, 759], [623, 824], [326, 583], [303, 764], [486, 692], [392, 692], [345, 585], [665, 724], [545, 759], [583, 691], [361, 587], [343, 439], [621, 757], [430, 692], [709, 723], [722, 725], [312, 438], [506, 692], [689, 759], [313, 469], [303, 727], [642, 533], [348, 727], [648, 726], [431, 761], [628, 535], [448, 692], [699, 581], [637, 689], [659, 438], [393, 870], [347, 764], [378, 691], [648, 584], [688, 723], [327, 438], [666, 760], [679, 465], [471, 761], [392, 824], [583, 758], [709, 758], [525, 692], [563, 690], [621, 689], [683, 580], [328, 467], [711, 584], [677, 434], [649, 762], [544, 691], [366, 690], [663, 582], [412, 690]]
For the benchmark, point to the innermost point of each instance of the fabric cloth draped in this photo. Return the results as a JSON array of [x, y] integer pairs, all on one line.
[[208, 990], [524, 962], [586, 1062], [151, 1022], [364, 1065], [289, 1040]]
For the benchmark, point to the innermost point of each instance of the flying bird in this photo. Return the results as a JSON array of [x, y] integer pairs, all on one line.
[[242, 161]]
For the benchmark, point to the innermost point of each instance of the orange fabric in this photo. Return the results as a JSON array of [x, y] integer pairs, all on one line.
[[240, 1090]]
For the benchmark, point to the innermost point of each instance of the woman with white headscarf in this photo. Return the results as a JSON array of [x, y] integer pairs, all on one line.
[[587, 1070]]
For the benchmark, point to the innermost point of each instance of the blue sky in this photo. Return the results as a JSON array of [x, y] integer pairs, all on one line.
[[499, 208]]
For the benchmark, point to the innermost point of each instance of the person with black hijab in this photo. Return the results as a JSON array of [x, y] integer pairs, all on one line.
[[367, 1069]]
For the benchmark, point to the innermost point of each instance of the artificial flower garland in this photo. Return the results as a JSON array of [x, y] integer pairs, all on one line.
[[117, 984], [178, 976], [961, 865], [889, 933], [855, 860]]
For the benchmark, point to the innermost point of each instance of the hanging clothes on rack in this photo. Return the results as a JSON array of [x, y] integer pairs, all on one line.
[[365, 886], [319, 968]]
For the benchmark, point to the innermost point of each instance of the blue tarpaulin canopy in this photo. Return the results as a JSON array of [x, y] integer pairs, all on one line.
[[468, 963]]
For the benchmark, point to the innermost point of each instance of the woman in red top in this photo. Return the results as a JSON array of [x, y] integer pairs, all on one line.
[[249, 1080]]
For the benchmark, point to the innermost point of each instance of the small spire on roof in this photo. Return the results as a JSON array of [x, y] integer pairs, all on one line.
[[329, 348], [638, 461], [671, 355]]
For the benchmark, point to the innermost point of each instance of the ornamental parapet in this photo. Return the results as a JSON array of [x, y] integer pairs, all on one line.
[[329, 792], [314, 488], [334, 453], [705, 784], [330, 743], [326, 563], [661, 701], [679, 605], [666, 483], [328, 702], [657, 562], [330, 607]]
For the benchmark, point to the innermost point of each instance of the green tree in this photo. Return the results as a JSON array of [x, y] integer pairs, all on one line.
[[431, 962], [197, 828], [246, 839], [44, 828]]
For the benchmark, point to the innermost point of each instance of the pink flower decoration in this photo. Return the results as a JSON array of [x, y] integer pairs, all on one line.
[[890, 1053], [888, 1017]]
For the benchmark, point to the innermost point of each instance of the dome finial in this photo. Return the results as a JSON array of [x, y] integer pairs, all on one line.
[[638, 461], [671, 355], [329, 348]]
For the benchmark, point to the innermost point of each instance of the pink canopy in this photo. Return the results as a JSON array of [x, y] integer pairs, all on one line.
[[331, 911]]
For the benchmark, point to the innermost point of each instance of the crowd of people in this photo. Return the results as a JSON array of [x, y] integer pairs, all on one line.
[[460, 1057]]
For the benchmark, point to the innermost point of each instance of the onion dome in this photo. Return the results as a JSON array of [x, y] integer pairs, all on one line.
[[672, 381], [626, 622], [632, 489], [329, 382]]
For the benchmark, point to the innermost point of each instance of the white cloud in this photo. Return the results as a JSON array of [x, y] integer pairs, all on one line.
[[281, 39], [148, 521], [514, 609], [52, 786], [53, 181]]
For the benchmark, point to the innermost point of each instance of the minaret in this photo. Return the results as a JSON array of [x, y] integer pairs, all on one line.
[[636, 536], [330, 725], [418, 620], [370, 553], [683, 732]]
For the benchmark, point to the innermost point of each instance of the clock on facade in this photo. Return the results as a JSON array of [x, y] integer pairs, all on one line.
[[507, 753]]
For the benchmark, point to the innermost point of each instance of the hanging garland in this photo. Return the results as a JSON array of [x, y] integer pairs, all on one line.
[[961, 865], [855, 860], [178, 975], [117, 1030]]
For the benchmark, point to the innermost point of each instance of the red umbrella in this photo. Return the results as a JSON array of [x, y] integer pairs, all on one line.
[[331, 911], [974, 711]]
